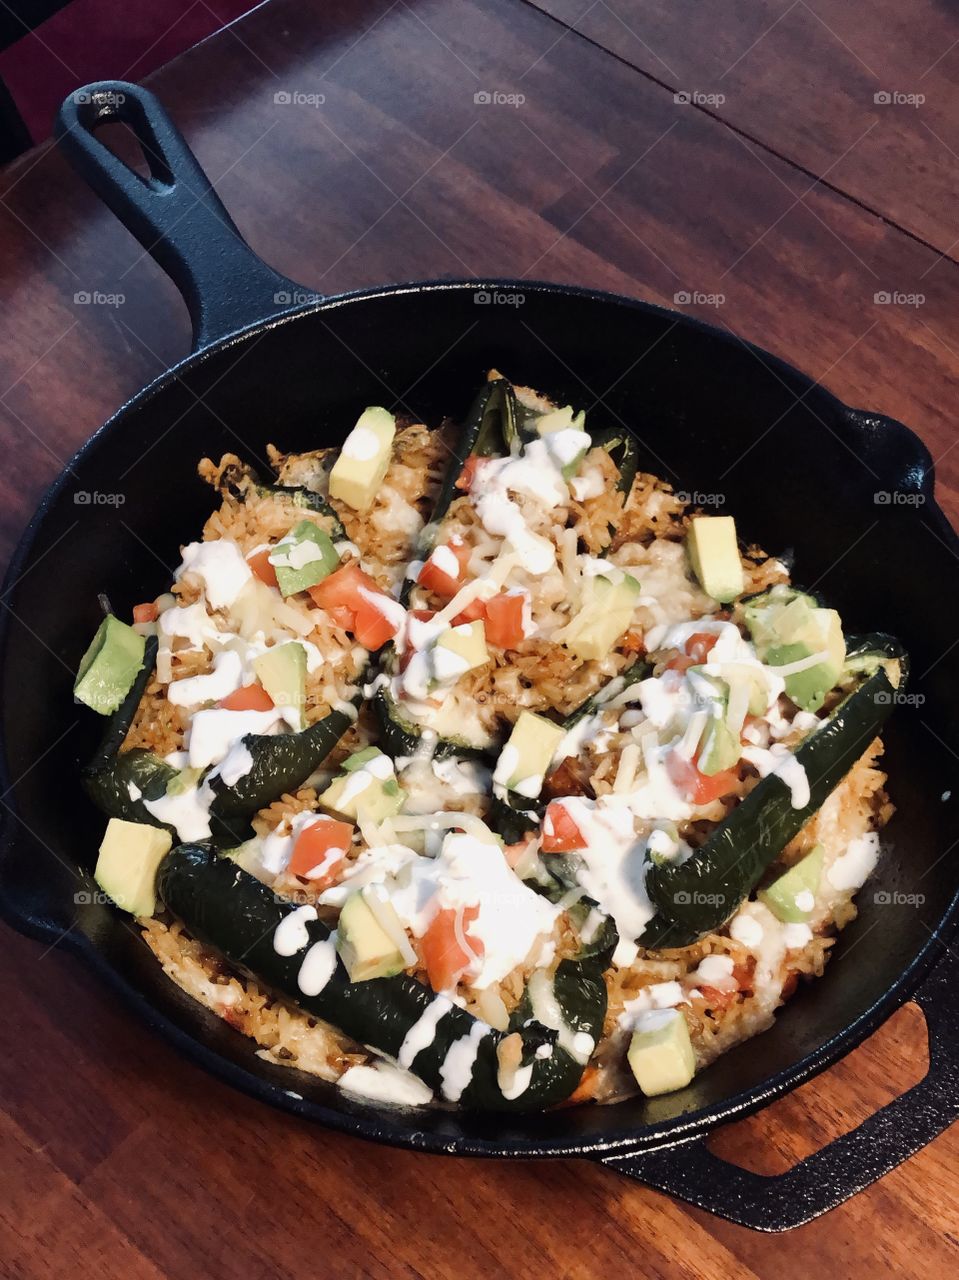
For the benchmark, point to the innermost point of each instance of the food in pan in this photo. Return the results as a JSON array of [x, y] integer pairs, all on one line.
[[467, 766]]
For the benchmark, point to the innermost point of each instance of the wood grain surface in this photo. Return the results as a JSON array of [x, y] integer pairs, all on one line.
[[860, 94], [117, 1158]]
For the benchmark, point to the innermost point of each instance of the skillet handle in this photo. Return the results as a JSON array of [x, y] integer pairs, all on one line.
[[824, 1180], [174, 213]]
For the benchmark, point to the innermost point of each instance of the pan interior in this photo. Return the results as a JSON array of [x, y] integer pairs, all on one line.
[[712, 416]]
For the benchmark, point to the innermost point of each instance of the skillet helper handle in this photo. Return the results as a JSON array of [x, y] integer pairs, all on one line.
[[174, 213], [829, 1177]]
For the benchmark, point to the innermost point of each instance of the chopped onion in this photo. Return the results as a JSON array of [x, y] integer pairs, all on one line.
[[377, 899]]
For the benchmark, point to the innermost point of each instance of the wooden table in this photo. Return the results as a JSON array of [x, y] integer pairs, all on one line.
[[787, 201]]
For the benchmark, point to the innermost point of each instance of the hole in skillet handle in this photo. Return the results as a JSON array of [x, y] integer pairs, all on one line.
[[173, 211], [852, 1162], [901, 465]]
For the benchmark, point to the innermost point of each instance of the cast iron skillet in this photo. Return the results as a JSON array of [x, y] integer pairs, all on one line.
[[713, 414]]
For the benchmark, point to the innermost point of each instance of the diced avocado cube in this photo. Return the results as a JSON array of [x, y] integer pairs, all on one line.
[[249, 856], [368, 790], [110, 666], [467, 641], [127, 865], [714, 555], [791, 897], [787, 626], [606, 613], [661, 1053], [720, 748], [808, 688], [528, 754], [359, 758], [365, 947], [281, 670], [184, 781], [303, 558], [750, 678], [359, 470], [767, 618], [561, 420]]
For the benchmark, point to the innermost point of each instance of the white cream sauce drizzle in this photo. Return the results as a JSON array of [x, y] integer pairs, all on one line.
[[456, 1071], [423, 1031]]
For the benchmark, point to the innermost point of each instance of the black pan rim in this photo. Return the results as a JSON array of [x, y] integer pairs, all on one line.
[[359, 1120]]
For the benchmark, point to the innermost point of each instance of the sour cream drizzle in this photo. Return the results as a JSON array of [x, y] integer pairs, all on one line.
[[423, 1031], [456, 1071]]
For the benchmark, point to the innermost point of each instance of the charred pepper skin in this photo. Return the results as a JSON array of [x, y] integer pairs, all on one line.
[[235, 914]]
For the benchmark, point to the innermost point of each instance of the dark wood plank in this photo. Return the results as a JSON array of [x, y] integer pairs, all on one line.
[[861, 94], [596, 179]]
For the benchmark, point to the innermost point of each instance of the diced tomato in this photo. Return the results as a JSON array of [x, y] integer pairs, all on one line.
[[681, 662], [634, 642], [341, 588], [341, 595], [699, 645], [323, 843], [467, 477], [261, 567], [433, 578], [341, 617], [443, 953], [372, 628], [252, 697], [504, 621], [698, 787], [145, 613], [717, 999], [475, 610], [560, 832]]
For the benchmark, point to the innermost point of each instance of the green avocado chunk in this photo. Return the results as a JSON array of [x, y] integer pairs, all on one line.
[[366, 948], [282, 672], [127, 866], [791, 897], [110, 666], [660, 1053], [303, 558], [786, 627]]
